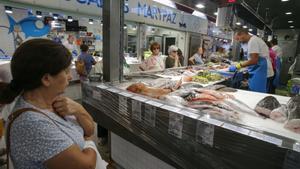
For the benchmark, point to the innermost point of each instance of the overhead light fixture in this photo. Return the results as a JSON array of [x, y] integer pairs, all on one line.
[[101, 24], [55, 16], [125, 26], [238, 23], [288, 13], [200, 6], [284, 0], [245, 27], [70, 19], [91, 21], [292, 26], [134, 28], [38, 14], [199, 14], [250, 30], [216, 13], [8, 9], [168, 3], [290, 21]]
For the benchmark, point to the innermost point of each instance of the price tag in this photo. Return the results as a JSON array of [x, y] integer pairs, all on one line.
[[175, 124], [150, 115], [205, 133], [97, 95], [136, 110], [123, 105]]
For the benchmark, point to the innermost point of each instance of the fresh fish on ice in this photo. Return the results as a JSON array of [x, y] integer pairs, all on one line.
[[266, 105], [280, 114], [239, 106], [221, 88], [218, 95], [174, 100], [217, 112], [191, 85], [293, 107]]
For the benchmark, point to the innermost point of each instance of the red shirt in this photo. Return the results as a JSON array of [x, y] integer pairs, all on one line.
[[273, 58]]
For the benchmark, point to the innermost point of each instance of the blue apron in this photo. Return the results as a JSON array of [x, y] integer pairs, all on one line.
[[276, 80], [258, 76]]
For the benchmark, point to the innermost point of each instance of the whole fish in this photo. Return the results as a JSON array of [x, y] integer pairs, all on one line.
[[266, 105], [239, 106], [293, 107], [280, 114]]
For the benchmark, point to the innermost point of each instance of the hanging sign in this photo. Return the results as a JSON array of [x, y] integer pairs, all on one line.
[[142, 11]]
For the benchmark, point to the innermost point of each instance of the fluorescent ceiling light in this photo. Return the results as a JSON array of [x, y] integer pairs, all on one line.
[[125, 26], [216, 13], [70, 19], [199, 14], [284, 0], [8, 9], [39, 14], [245, 27], [91, 22], [290, 21], [292, 26], [55, 16], [238, 23], [200, 6], [250, 30], [168, 3], [288, 13]]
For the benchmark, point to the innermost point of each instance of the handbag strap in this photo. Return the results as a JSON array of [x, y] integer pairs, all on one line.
[[12, 118]]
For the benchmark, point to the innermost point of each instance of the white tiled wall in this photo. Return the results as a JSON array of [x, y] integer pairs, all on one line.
[[130, 156]]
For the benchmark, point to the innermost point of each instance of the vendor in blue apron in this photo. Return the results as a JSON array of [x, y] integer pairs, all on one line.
[[259, 64]]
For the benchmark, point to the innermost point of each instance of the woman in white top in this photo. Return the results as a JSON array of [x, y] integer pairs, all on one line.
[[155, 62]]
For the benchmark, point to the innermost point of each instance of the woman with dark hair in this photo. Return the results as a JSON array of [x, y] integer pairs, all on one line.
[[45, 130]]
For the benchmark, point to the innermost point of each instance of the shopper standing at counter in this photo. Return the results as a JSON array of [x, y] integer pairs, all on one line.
[[155, 62], [50, 129], [276, 48], [258, 63], [197, 58], [87, 60], [70, 44], [172, 60]]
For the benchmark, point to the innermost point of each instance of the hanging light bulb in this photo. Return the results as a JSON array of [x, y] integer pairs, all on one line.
[[8, 9], [91, 21], [70, 19], [38, 14]]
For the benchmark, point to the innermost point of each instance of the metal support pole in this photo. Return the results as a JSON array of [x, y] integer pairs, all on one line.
[[113, 21]]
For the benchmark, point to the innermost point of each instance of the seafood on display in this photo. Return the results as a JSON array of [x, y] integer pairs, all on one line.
[[293, 107], [266, 105]]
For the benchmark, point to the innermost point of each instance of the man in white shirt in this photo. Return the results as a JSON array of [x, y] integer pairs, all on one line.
[[276, 48], [258, 63]]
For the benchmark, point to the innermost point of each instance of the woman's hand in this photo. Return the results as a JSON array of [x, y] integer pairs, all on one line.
[[65, 106]]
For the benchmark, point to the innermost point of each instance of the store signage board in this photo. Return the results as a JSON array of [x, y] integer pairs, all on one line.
[[142, 11]]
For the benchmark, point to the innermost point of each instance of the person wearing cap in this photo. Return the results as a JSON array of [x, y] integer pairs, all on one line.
[[173, 58], [259, 63]]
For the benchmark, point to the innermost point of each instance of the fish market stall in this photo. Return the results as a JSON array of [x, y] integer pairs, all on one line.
[[196, 126]]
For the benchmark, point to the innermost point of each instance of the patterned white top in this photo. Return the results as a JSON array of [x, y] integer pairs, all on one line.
[[35, 138]]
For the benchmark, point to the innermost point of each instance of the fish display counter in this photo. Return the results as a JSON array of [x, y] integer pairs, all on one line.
[[192, 126]]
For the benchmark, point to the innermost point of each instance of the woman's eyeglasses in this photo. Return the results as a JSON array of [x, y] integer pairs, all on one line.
[[156, 48]]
